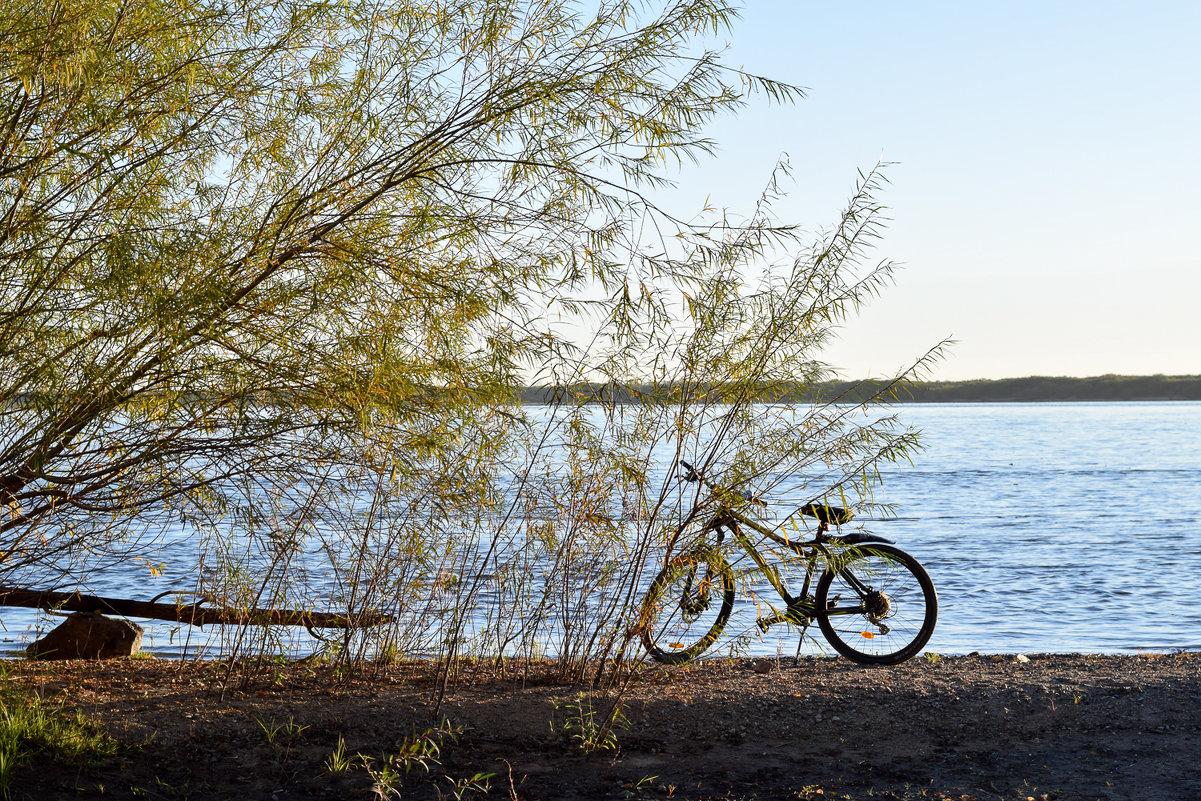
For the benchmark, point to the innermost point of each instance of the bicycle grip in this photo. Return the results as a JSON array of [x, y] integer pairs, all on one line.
[[691, 475]]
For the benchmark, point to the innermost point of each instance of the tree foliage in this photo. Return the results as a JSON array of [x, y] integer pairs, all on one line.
[[279, 269]]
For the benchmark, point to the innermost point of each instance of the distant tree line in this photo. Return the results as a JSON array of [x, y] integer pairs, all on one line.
[[1030, 389], [1038, 388]]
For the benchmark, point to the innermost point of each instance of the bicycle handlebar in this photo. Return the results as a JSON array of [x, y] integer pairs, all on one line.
[[693, 476], [828, 515]]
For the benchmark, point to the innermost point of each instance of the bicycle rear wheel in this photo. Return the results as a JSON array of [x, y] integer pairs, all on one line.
[[879, 607], [687, 606]]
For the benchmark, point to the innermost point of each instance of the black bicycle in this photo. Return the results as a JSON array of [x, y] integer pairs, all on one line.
[[873, 602]]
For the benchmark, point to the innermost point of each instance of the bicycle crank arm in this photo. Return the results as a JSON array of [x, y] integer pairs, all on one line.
[[796, 615]]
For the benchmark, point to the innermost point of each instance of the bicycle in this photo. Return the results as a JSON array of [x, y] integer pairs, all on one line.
[[889, 613]]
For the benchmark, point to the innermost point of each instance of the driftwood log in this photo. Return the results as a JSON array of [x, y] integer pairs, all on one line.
[[194, 613]]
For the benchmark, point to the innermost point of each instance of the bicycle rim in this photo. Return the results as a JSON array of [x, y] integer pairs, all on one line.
[[880, 608]]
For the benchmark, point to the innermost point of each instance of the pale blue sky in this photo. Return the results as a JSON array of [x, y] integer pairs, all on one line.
[[1045, 200]]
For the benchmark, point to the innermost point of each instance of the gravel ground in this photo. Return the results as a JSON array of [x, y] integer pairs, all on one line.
[[974, 727]]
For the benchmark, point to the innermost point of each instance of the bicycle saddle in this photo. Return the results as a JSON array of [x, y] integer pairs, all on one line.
[[827, 514]]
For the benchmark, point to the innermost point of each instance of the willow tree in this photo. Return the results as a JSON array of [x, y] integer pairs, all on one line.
[[257, 256]]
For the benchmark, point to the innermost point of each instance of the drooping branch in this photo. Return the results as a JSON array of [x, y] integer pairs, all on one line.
[[193, 613]]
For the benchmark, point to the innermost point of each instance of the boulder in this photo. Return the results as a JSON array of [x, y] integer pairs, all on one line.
[[84, 635]]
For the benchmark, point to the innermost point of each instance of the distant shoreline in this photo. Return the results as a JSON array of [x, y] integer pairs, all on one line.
[[1035, 389], [1031, 389]]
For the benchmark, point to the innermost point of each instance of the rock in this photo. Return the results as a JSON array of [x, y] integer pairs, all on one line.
[[89, 636], [1021, 658]]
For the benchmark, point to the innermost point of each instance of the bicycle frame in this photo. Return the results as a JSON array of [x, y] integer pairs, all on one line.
[[797, 609]]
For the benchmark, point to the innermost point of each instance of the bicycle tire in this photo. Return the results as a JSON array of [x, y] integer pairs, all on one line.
[[906, 605], [678, 621]]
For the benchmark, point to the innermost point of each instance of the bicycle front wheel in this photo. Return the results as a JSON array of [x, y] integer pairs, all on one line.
[[878, 607], [687, 606]]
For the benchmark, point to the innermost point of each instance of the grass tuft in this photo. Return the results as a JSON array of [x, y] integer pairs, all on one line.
[[33, 733]]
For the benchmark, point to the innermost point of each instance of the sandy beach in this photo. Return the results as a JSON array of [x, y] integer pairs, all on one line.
[[969, 727]]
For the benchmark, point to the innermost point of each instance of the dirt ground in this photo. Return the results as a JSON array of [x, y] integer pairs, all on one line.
[[973, 727]]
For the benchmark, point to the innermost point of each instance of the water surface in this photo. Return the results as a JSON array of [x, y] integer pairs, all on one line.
[[1050, 527]]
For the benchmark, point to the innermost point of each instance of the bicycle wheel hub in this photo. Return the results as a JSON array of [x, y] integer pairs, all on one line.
[[877, 606], [694, 606]]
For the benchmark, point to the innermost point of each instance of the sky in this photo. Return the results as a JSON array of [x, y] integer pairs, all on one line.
[[1045, 187]]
